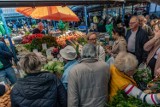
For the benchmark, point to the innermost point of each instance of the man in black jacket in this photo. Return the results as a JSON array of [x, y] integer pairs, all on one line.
[[136, 37]]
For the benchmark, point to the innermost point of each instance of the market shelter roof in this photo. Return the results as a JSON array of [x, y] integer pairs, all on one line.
[[26, 3], [155, 1], [49, 12]]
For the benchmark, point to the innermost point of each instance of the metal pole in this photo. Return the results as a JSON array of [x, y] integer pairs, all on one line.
[[148, 7], [132, 8], [119, 11], [86, 17], [155, 8], [123, 12], [9, 38]]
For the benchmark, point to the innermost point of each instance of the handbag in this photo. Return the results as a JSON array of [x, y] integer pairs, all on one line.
[[1, 65]]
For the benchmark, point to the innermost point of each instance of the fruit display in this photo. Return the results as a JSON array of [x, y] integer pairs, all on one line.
[[74, 36], [55, 67], [5, 99]]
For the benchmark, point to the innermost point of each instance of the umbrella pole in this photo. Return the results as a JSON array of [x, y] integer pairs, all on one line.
[[9, 38]]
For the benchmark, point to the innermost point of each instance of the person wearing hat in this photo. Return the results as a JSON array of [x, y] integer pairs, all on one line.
[[88, 81], [69, 56]]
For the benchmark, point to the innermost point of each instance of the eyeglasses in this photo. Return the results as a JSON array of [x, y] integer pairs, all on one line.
[[131, 23], [92, 39]]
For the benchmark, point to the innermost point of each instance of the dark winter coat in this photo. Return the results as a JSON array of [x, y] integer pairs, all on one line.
[[5, 55], [39, 90], [141, 39]]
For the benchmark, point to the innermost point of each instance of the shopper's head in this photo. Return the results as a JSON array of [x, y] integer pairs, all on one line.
[[118, 32], [92, 38], [40, 26], [31, 63], [156, 26], [141, 20], [89, 51], [153, 22], [134, 23], [126, 62], [68, 53]]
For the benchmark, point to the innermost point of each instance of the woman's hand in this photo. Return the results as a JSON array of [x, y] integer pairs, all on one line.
[[157, 34]]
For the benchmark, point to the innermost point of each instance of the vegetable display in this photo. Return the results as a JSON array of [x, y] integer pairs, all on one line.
[[142, 77], [37, 43], [122, 100], [55, 67]]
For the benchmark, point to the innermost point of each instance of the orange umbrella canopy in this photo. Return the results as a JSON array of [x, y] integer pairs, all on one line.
[[49, 12]]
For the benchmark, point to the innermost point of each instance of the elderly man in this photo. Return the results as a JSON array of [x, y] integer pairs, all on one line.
[[136, 37], [69, 56], [39, 29], [92, 38], [88, 81], [145, 26]]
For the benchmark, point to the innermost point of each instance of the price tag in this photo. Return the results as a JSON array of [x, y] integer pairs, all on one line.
[[44, 46]]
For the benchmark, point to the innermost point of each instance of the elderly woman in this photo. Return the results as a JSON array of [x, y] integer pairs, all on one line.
[[121, 79], [37, 89], [88, 81], [153, 47]]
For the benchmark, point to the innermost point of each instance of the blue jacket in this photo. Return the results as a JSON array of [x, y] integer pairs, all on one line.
[[67, 69], [5, 55]]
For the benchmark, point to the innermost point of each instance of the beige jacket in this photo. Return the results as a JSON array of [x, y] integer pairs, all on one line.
[[118, 46], [88, 84], [152, 53]]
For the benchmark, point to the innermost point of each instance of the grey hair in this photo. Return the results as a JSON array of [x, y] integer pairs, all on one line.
[[30, 63], [89, 51], [125, 62]]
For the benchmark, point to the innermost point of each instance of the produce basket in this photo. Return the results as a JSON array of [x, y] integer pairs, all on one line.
[[5, 99]]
